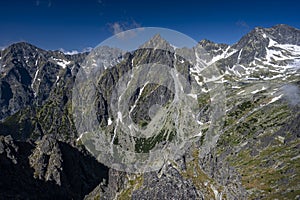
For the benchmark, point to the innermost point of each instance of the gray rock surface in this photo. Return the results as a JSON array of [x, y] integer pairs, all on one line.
[[171, 185]]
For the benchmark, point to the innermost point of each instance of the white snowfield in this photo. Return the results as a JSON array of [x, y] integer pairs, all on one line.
[[281, 60]]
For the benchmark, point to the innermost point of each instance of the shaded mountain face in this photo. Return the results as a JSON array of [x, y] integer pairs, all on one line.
[[33, 81], [31, 74], [47, 169], [259, 141], [213, 48]]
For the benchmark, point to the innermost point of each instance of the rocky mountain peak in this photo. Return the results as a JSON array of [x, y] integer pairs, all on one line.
[[21, 45], [281, 27], [256, 37], [21, 48], [157, 42], [284, 34], [281, 33], [213, 48], [158, 39], [205, 42]]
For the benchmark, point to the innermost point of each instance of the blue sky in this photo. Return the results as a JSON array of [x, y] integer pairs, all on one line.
[[77, 24]]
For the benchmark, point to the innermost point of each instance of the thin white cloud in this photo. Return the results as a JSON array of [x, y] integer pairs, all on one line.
[[292, 94], [87, 49], [49, 4], [123, 29], [43, 2], [72, 52], [242, 24], [117, 28]]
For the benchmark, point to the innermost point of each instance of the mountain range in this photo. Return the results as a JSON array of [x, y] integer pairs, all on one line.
[[42, 152]]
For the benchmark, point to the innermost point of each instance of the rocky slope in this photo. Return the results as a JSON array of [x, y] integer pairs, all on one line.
[[47, 169], [256, 157]]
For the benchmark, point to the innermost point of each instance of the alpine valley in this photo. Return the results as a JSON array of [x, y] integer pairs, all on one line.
[[42, 155]]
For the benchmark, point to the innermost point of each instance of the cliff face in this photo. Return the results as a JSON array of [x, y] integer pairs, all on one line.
[[47, 169]]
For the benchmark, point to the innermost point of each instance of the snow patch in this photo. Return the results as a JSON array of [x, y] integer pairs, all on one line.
[[258, 90], [239, 56], [287, 51], [218, 196], [204, 90], [271, 42], [273, 77], [80, 136], [120, 117], [212, 79], [225, 54], [193, 96], [109, 121], [198, 80], [275, 99], [62, 63], [174, 47], [34, 79], [241, 92]]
